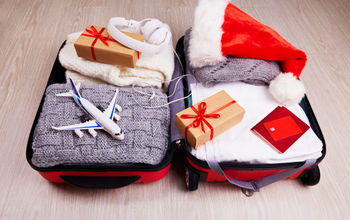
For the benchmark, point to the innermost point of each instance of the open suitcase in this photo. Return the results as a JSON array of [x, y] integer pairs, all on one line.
[[250, 177], [97, 176]]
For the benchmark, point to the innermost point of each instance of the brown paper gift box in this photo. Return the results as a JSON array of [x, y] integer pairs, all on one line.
[[99, 46], [231, 113]]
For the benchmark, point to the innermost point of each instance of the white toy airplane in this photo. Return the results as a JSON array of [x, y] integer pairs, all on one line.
[[101, 120]]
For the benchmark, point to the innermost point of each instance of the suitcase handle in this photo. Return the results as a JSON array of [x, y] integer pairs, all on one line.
[[249, 187], [95, 182]]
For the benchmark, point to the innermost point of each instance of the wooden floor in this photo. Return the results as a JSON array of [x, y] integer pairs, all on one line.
[[30, 35]]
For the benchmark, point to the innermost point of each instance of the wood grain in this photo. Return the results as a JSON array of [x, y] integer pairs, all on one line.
[[31, 33]]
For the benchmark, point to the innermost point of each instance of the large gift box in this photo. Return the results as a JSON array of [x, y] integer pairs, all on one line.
[[209, 118], [95, 44]]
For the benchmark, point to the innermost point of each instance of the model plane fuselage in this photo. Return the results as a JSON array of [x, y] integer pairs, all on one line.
[[100, 120]]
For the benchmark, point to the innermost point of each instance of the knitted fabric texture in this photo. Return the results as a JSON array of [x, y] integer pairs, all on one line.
[[151, 69], [252, 71], [83, 79], [146, 130]]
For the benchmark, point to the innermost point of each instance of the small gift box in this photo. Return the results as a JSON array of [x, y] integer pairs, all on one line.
[[209, 118], [95, 44]]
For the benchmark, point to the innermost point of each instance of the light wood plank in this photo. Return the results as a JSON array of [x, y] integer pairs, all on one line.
[[31, 33]]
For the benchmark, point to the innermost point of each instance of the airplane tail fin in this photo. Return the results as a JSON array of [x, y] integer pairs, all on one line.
[[75, 89]]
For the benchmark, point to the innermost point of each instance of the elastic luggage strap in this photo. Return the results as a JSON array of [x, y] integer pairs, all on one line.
[[256, 185]]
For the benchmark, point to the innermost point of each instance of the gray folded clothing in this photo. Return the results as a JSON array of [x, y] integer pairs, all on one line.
[[146, 130], [252, 71]]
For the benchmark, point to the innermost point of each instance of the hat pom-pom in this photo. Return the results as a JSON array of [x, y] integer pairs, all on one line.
[[287, 89]]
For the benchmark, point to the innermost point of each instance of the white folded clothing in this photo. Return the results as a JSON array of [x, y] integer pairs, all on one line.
[[239, 143], [153, 70], [83, 79]]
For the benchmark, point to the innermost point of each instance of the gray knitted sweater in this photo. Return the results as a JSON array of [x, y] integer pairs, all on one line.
[[252, 71], [146, 130]]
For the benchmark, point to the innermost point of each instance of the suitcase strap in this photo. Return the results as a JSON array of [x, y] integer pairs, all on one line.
[[249, 187]]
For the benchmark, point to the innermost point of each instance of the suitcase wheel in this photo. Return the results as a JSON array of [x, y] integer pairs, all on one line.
[[192, 179], [311, 177]]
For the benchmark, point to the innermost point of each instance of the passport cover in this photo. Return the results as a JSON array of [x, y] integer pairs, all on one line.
[[281, 128]]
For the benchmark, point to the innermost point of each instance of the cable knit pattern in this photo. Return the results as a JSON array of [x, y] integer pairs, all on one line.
[[151, 69], [146, 130], [252, 71]]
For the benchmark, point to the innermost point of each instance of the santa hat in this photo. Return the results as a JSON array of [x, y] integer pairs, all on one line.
[[221, 29]]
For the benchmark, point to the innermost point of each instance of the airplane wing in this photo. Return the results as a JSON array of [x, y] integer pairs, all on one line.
[[82, 126], [69, 93], [110, 110]]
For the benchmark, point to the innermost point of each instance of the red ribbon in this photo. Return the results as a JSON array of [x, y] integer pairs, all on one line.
[[200, 117], [98, 36]]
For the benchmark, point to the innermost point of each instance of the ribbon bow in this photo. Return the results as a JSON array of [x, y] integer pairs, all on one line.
[[200, 119], [98, 36]]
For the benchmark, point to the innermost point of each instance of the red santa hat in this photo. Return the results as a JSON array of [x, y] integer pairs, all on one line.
[[221, 29]]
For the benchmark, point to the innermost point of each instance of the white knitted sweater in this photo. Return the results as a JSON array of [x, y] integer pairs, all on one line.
[[151, 69]]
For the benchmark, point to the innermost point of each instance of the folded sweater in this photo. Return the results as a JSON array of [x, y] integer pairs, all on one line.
[[83, 79], [146, 130], [151, 69]]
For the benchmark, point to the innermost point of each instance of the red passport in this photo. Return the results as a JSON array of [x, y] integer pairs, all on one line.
[[281, 128]]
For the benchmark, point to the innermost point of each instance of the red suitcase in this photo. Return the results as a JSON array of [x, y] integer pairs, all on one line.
[[96, 176], [250, 177]]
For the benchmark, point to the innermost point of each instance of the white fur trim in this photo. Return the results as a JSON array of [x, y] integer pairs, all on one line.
[[205, 41], [287, 89]]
